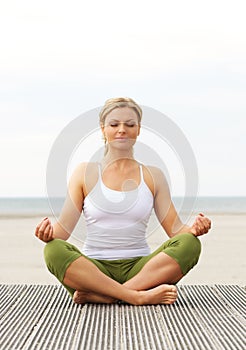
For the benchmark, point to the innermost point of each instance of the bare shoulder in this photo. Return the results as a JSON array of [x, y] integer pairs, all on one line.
[[155, 172], [86, 173], [155, 178], [85, 167]]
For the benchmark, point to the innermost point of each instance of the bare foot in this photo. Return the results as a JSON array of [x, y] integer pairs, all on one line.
[[87, 297], [163, 294]]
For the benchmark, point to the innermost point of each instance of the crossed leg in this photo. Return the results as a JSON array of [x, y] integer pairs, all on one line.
[[152, 285]]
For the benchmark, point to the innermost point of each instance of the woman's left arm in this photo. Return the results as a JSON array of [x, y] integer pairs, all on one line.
[[167, 214]]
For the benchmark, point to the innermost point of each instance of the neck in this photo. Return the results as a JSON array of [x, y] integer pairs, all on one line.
[[119, 159]]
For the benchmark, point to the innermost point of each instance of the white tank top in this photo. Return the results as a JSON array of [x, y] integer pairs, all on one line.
[[117, 221]]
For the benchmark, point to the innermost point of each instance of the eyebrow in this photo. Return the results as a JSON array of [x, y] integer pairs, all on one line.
[[126, 121]]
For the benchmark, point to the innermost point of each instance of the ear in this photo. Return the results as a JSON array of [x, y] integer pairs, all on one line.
[[102, 128], [103, 133]]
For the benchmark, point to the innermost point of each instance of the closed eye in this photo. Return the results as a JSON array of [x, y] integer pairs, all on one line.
[[127, 124], [130, 125]]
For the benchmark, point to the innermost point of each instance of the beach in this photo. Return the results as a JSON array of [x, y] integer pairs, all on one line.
[[222, 259]]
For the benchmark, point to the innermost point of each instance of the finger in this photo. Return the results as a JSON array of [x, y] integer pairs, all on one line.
[[207, 224], [44, 219], [36, 231], [43, 225], [201, 224], [200, 230], [38, 228], [48, 230], [206, 220]]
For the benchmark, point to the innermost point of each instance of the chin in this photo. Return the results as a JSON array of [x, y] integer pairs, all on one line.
[[123, 144]]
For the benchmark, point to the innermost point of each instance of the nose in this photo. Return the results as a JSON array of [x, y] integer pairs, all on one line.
[[121, 127]]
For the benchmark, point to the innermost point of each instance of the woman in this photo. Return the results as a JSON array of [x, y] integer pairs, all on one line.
[[117, 196]]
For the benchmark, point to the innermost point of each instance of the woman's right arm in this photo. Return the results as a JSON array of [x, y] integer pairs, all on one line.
[[70, 213]]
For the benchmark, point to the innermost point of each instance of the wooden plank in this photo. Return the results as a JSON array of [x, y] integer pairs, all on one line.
[[44, 317]]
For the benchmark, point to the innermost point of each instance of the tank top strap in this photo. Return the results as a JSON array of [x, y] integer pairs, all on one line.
[[141, 173], [99, 171]]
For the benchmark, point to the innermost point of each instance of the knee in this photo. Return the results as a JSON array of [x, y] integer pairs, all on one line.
[[191, 244], [51, 250], [188, 251], [58, 255]]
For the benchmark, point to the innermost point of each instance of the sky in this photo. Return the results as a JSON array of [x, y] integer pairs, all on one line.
[[186, 59]]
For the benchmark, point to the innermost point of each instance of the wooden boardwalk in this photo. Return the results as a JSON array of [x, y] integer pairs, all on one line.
[[44, 317]]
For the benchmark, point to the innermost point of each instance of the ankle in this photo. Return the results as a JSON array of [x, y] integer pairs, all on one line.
[[140, 298]]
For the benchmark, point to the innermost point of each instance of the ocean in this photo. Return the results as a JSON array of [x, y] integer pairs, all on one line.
[[31, 207]]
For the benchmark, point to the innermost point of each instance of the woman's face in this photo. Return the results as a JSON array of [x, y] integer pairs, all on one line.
[[121, 128]]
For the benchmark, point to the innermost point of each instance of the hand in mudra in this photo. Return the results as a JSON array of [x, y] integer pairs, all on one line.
[[44, 230], [201, 225]]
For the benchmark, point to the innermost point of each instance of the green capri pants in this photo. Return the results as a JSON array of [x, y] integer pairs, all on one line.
[[185, 248]]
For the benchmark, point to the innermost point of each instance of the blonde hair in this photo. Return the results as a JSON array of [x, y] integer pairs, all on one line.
[[119, 102]]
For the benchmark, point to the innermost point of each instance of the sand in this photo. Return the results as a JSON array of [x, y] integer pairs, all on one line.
[[222, 260]]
